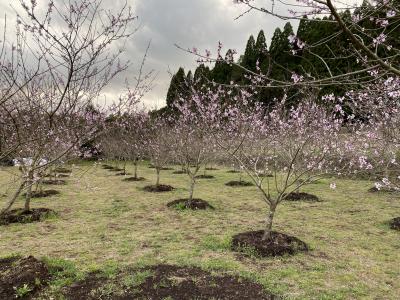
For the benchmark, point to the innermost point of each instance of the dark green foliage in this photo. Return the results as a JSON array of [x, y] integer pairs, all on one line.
[[322, 50], [177, 88]]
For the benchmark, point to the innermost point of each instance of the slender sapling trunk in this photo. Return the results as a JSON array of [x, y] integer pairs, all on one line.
[[269, 222]]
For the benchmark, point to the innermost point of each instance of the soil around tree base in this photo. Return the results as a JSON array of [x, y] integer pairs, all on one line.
[[204, 176], [19, 215], [158, 188], [122, 174], [239, 183], [134, 179], [62, 170], [395, 223], [279, 244], [15, 273], [179, 172], [43, 194], [54, 182], [169, 282], [302, 197], [381, 190], [195, 204]]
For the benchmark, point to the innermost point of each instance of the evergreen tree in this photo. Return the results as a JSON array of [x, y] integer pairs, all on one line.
[[177, 87], [250, 55]]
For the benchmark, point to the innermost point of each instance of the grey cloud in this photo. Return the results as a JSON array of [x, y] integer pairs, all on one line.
[[189, 23]]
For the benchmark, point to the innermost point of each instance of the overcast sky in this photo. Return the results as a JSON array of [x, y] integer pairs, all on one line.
[[189, 23]]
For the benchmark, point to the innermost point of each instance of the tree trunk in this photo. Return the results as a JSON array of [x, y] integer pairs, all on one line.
[[191, 189], [158, 176], [28, 191], [268, 223], [135, 164], [13, 199], [124, 167]]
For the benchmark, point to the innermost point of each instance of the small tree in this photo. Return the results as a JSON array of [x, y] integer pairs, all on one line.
[[193, 144], [158, 144], [296, 146]]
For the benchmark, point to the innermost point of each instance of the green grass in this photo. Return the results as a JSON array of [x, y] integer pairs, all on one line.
[[104, 224]]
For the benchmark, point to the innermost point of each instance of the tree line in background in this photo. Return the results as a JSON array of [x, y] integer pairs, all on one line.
[[328, 53]]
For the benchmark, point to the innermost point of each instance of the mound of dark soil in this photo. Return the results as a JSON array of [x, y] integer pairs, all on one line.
[[195, 204], [57, 175], [211, 169], [381, 190], [62, 170], [107, 167], [116, 170], [204, 176], [179, 172], [54, 182], [158, 188], [168, 282], [395, 223], [21, 216], [22, 278], [302, 197], [265, 175], [239, 183], [279, 244], [44, 193], [132, 179], [163, 168], [233, 171], [122, 174]]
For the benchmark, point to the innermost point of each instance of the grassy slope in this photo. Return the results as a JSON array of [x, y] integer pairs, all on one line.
[[105, 222]]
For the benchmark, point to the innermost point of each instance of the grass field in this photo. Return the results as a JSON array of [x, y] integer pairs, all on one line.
[[105, 223]]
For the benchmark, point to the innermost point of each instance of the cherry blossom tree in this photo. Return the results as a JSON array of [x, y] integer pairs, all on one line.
[[46, 92], [158, 145], [296, 145], [194, 147]]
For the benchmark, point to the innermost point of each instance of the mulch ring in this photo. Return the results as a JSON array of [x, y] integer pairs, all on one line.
[[301, 197], [179, 172], [158, 188], [265, 175], [204, 176], [116, 170], [166, 282], [132, 179], [239, 183], [195, 204], [43, 194], [381, 190], [123, 174], [279, 244], [19, 215], [233, 171], [57, 175], [395, 223], [107, 167], [63, 170], [22, 278], [54, 182]]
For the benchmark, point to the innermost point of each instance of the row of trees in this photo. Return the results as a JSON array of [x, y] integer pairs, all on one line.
[[296, 146], [52, 70]]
